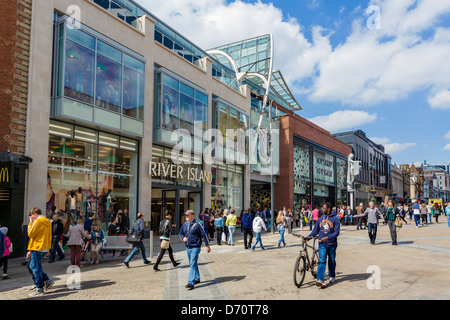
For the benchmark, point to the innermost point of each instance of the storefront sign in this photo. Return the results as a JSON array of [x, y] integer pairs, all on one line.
[[323, 169], [4, 175], [168, 170]]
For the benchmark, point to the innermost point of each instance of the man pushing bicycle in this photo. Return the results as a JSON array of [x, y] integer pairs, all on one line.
[[328, 228]]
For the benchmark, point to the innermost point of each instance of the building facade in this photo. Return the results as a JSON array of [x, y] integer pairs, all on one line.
[[124, 113], [313, 165], [375, 178]]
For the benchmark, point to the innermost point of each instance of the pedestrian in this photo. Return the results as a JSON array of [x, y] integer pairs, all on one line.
[[39, 231], [403, 214], [416, 212], [436, 211], [313, 217], [96, 238], [112, 231], [225, 217], [348, 214], [257, 226], [231, 225], [165, 230], [429, 214], [392, 213], [372, 214], [57, 232], [359, 211], [247, 225], [204, 217], [268, 218], [327, 228], [138, 228], [76, 235], [423, 213], [192, 235], [282, 223], [447, 212], [218, 224], [6, 252], [211, 227]]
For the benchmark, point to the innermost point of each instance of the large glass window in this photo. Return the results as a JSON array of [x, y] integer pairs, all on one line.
[[99, 170], [227, 187], [181, 106], [302, 176], [97, 73], [341, 177]]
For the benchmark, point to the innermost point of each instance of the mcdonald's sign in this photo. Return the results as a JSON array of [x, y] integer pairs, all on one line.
[[4, 175]]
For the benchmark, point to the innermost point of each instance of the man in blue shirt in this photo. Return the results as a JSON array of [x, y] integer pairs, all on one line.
[[247, 225], [416, 212], [328, 228], [192, 233]]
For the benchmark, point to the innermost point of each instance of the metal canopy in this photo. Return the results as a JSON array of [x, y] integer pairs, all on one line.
[[253, 58]]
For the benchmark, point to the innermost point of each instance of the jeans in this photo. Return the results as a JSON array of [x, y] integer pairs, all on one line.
[[258, 240], [248, 232], [75, 255], [56, 248], [135, 250], [161, 254], [194, 274], [324, 253], [393, 230], [281, 230], [231, 230], [429, 217], [417, 219], [372, 228], [36, 267], [448, 220], [351, 218], [219, 234]]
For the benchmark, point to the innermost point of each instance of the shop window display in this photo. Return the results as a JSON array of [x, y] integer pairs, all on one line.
[[85, 178]]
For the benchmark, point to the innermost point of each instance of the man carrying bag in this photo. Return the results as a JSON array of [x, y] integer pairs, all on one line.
[[137, 232]]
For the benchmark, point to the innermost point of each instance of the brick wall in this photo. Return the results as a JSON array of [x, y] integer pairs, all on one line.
[[15, 22]]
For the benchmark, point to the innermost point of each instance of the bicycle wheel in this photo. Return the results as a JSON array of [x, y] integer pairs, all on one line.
[[300, 270], [314, 263]]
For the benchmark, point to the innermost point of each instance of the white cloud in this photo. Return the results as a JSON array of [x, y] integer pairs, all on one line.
[[393, 147], [343, 119], [447, 135], [440, 100], [406, 55], [447, 147]]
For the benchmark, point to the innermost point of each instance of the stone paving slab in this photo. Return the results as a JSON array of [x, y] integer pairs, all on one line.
[[411, 270]]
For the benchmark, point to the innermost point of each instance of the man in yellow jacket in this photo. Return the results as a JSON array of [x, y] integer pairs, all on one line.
[[40, 234]]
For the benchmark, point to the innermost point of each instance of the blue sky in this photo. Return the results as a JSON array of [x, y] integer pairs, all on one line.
[[392, 81]]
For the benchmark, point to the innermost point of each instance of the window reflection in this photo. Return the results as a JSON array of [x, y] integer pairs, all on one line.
[[108, 84]]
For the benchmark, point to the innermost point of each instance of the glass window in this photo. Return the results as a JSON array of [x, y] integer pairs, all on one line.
[[133, 94], [79, 72], [101, 179], [170, 107], [108, 79], [226, 188], [302, 176], [187, 112]]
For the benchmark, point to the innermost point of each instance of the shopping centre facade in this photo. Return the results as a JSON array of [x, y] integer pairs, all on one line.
[[113, 91]]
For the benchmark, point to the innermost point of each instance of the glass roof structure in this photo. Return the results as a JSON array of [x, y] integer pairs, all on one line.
[[253, 58]]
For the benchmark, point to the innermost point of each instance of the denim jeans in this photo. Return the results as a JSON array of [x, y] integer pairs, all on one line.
[[351, 218], [135, 250], [258, 240], [194, 274], [324, 253], [448, 220], [36, 267], [231, 230], [417, 219], [372, 228], [281, 230], [55, 248]]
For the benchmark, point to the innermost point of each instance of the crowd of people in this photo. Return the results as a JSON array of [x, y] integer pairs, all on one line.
[[47, 237]]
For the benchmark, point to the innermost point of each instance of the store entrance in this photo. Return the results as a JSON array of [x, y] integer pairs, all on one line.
[[178, 201]]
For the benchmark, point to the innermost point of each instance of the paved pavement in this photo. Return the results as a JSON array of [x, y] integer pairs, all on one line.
[[415, 269]]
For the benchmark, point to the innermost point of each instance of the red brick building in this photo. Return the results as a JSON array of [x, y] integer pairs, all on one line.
[[313, 165]]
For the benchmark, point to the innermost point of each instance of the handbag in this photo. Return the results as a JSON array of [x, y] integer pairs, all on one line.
[[165, 244], [134, 238], [224, 237], [398, 223]]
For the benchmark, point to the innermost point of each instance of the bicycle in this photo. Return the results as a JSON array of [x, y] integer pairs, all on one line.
[[304, 263]]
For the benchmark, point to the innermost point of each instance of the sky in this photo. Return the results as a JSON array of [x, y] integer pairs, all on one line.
[[381, 66]]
